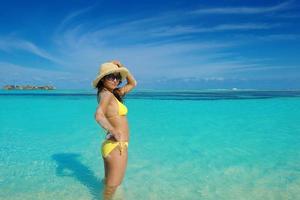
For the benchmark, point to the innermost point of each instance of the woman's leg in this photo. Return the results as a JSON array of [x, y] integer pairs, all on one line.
[[115, 167]]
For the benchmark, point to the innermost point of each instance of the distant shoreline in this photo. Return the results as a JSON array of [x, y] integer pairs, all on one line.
[[169, 90], [166, 95], [28, 87]]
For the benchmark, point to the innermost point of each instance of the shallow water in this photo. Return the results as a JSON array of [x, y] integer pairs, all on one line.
[[183, 145]]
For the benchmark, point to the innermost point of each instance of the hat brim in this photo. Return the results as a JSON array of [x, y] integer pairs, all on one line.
[[122, 70]]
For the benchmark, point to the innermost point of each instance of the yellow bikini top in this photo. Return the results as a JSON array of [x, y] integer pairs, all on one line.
[[122, 108]]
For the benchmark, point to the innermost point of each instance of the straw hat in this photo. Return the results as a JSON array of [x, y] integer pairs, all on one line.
[[110, 68]]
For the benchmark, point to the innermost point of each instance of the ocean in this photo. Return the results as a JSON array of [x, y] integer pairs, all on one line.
[[184, 145]]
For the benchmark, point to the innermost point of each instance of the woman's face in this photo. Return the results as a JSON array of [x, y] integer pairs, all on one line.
[[111, 81]]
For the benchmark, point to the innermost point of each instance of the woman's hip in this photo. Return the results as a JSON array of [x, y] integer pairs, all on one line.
[[109, 145]]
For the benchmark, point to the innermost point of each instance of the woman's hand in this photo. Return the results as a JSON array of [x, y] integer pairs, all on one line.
[[118, 63], [115, 135]]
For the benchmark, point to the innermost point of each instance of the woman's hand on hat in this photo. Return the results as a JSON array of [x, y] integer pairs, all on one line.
[[118, 63]]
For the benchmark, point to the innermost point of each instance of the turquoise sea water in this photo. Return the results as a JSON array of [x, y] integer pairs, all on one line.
[[183, 145]]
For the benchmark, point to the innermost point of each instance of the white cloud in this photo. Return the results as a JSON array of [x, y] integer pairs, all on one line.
[[19, 74], [72, 16], [8, 44], [273, 37], [85, 48], [180, 30], [214, 78], [245, 10], [144, 60], [259, 38]]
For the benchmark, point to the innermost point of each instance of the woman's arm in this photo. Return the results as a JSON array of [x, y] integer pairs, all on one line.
[[131, 82], [100, 116]]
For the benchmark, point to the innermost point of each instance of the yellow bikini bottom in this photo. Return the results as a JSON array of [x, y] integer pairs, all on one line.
[[109, 145]]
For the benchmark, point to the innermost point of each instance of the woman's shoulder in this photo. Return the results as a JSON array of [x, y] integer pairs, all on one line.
[[105, 95]]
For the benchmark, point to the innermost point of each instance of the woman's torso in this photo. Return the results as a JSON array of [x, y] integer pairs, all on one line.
[[119, 122]]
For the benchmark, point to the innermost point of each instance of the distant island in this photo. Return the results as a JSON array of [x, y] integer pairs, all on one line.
[[28, 87]]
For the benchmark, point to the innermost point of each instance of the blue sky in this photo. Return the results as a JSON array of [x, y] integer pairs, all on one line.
[[165, 44]]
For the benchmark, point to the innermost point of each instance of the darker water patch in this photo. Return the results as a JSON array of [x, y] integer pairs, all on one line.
[[169, 95]]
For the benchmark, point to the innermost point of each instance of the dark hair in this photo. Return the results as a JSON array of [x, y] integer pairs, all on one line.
[[100, 87]]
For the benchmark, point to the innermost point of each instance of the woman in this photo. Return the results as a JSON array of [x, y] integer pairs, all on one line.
[[111, 115]]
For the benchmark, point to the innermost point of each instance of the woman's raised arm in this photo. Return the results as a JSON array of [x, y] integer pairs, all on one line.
[[131, 82]]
